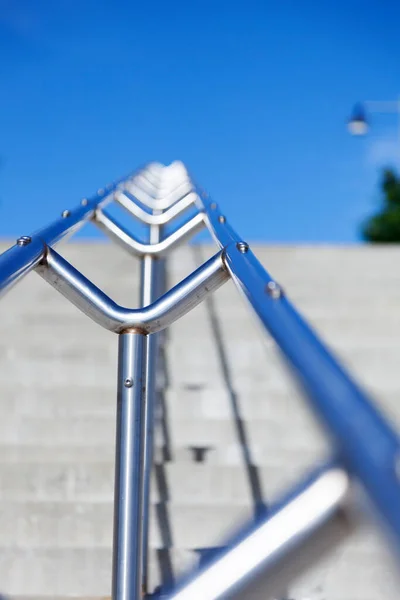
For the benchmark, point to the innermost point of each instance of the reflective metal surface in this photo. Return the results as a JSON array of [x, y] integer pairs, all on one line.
[[162, 313], [154, 219], [146, 196], [370, 450], [129, 464], [266, 558], [152, 278], [18, 261], [128, 242], [365, 440]]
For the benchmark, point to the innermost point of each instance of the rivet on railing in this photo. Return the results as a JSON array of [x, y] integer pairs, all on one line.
[[24, 240], [128, 382], [274, 290], [213, 206], [221, 219], [242, 247], [100, 191], [65, 214], [84, 201]]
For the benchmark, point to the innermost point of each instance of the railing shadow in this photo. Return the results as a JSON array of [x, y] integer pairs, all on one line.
[[161, 508], [252, 471]]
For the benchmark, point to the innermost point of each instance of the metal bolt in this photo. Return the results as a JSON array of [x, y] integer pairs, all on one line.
[[65, 214], [128, 382], [24, 240], [100, 191], [84, 201], [242, 247], [213, 206], [274, 290], [221, 219]]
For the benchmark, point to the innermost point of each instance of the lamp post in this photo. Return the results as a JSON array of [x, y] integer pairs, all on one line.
[[358, 124]]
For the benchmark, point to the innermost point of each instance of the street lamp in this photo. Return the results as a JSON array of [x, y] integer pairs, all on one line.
[[358, 123]]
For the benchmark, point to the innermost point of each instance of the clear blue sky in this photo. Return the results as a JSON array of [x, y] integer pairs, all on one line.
[[252, 96]]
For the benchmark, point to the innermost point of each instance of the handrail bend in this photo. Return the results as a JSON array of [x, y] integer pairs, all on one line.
[[154, 219], [132, 245], [150, 319], [144, 195]]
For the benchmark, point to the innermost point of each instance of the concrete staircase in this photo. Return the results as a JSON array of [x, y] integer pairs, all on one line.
[[232, 431]]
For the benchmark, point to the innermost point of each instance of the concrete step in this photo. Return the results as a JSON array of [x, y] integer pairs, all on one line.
[[288, 406], [181, 483], [84, 431], [50, 373], [190, 402], [229, 454], [46, 524], [266, 433], [61, 454], [360, 569], [269, 434], [58, 402], [62, 573], [182, 404], [71, 401], [66, 346]]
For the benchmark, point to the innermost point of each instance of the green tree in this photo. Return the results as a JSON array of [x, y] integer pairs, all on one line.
[[384, 227]]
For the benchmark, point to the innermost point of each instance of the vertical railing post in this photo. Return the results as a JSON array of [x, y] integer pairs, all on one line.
[[151, 280], [129, 464], [137, 375]]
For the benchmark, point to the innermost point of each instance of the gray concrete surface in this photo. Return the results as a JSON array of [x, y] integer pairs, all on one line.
[[226, 389]]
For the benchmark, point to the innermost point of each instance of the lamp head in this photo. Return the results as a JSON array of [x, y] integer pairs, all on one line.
[[358, 124]]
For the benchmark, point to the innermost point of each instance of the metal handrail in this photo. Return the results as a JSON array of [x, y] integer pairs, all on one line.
[[338, 401], [150, 319], [128, 242], [29, 250], [134, 187], [314, 511], [125, 200], [304, 525]]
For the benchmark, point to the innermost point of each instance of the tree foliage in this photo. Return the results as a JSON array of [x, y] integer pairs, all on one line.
[[384, 227]]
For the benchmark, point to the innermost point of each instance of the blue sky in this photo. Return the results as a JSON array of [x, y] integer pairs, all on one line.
[[252, 96]]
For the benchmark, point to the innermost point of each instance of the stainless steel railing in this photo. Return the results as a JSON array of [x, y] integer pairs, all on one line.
[[318, 510]]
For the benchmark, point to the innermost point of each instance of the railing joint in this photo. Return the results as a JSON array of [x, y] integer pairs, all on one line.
[[132, 245], [149, 319]]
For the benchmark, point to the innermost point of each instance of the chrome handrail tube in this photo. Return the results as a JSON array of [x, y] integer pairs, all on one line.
[[299, 529], [370, 451], [25, 255], [333, 394], [157, 203], [154, 219], [19, 260], [129, 468], [103, 310], [134, 246], [153, 286], [367, 446]]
